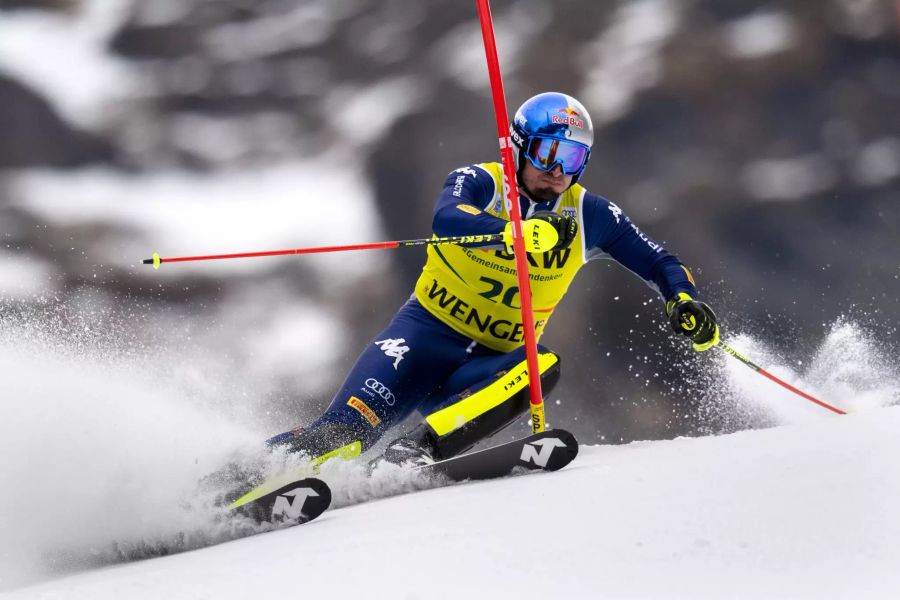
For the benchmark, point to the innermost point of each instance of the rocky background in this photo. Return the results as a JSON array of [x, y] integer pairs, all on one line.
[[759, 141]]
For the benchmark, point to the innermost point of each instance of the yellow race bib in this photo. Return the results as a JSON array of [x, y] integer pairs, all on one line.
[[476, 291]]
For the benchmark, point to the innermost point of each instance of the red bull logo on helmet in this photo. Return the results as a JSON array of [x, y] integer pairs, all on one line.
[[568, 116]]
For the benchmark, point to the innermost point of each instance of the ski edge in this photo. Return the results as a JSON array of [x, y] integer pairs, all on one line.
[[527, 453]]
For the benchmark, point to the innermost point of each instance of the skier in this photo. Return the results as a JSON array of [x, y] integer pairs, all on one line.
[[454, 351]]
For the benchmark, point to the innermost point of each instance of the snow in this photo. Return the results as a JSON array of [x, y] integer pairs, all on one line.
[[24, 277], [180, 213], [290, 332], [804, 511], [105, 455], [32, 43], [878, 162], [626, 57], [366, 114], [93, 438], [307, 25], [459, 53], [760, 34], [102, 439], [787, 179]]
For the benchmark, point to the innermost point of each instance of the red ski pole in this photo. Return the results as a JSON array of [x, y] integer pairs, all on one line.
[[511, 193], [156, 261], [732, 352]]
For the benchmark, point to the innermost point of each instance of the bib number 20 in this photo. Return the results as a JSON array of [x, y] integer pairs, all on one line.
[[506, 296]]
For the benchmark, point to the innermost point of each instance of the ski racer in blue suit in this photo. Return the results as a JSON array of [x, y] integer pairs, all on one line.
[[453, 352]]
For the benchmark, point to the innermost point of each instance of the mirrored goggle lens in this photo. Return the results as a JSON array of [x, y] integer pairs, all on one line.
[[545, 153]]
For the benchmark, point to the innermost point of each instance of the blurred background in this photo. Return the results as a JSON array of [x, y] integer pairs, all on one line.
[[759, 141]]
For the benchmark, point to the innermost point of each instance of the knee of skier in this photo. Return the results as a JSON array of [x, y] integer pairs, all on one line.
[[549, 365], [484, 409], [550, 376]]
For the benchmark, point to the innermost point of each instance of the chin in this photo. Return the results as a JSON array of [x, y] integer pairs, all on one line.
[[546, 194]]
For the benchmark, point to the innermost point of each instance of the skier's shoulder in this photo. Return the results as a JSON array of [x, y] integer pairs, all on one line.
[[482, 172], [475, 183], [602, 212]]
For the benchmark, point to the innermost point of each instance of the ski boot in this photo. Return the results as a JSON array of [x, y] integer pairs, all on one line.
[[415, 449]]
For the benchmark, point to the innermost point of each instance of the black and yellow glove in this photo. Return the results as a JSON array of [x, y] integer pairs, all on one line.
[[694, 319], [566, 227], [544, 230]]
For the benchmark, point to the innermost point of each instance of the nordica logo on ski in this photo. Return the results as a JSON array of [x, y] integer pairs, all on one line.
[[292, 509], [393, 348], [539, 451]]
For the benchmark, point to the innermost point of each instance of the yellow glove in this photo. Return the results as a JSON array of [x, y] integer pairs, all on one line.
[[539, 236], [694, 319]]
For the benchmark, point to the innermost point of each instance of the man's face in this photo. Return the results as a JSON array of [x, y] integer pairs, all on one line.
[[544, 185]]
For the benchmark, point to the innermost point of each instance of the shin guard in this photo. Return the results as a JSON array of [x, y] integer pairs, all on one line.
[[468, 419]]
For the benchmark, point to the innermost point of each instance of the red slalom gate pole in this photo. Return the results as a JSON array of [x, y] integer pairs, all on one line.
[[732, 352], [511, 196]]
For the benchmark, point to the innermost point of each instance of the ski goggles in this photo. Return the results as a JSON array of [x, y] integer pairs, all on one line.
[[546, 153]]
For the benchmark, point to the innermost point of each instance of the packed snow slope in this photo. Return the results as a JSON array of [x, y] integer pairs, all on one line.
[[798, 511], [103, 438]]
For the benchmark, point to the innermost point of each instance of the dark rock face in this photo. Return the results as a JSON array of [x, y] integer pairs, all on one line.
[[35, 135]]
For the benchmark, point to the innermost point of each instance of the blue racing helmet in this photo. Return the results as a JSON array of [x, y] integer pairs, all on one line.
[[553, 129]]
